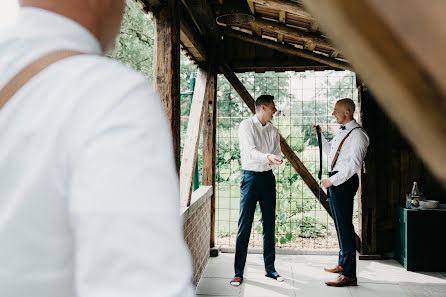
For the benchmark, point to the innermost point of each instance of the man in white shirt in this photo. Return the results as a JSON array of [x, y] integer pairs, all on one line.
[[259, 144], [89, 193], [346, 152]]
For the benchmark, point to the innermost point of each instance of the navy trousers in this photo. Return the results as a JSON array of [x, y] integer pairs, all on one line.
[[341, 206], [261, 187]]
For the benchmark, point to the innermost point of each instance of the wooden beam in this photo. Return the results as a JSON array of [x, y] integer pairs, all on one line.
[[190, 149], [256, 30], [209, 141], [150, 4], [286, 149], [286, 5], [282, 20], [167, 67], [287, 49], [314, 26], [293, 32], [190, 38], [334, 53], [251, 7], [204, 19], [402, 86]]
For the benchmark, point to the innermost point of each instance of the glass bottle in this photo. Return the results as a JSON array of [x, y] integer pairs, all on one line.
[[415, 195]]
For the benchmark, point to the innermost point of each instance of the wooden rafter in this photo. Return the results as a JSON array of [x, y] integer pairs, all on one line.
[[402, 86], [285, 5], [190, 149], [298, 34], [287, 49], [282, 20], [191, 39], [204, 19], [251, 6], [286, 149]]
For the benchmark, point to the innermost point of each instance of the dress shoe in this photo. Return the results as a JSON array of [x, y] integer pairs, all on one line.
[[343, 281], [336, 269]]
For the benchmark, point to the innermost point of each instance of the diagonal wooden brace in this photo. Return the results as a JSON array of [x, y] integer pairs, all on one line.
[[286, 149]]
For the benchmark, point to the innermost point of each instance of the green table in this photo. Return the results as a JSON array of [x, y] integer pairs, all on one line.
[[421, 239]]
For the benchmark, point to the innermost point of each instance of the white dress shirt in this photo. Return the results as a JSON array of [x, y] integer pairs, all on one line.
[[256, 143], [89, 194], [352, 153]]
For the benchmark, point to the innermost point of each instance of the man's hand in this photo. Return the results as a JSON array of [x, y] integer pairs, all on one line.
[[314, 128], [326, 183], [275, 160]]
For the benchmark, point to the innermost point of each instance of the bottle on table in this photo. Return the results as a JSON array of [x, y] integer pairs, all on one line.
[[415, 195]]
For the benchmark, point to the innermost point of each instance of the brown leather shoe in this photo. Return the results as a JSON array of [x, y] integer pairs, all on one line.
[[343, 281], [336, 269]]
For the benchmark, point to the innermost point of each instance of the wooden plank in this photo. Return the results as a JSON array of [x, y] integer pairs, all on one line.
[[282, 20], [287, 49], [256, 30], [209, 142], [286, 149], [403, 88], [204, 19], [251, 7], [190, 149], [190, 37], [282, 17], [286, 5], [314, 26], [167, 68], [149, 5], [334, 53], [293, 32]]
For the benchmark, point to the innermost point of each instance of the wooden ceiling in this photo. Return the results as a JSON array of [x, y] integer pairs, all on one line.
[[283, 36]]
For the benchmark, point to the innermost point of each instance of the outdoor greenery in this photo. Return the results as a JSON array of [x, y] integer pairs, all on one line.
[[302, 98]]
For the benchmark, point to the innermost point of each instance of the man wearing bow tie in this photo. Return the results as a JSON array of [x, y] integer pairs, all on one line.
[[346, 152]]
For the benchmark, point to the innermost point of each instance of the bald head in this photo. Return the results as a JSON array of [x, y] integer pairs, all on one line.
[[101, 17], [348, 104], [344, 110]]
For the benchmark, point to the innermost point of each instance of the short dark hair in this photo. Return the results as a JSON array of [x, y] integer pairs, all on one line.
[[264, 99]]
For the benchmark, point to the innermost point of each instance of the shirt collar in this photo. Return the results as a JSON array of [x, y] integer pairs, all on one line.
[[350, 125], [63, 32], [257, 122]]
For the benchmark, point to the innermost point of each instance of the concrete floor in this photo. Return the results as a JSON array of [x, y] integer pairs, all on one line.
[[304, 276]]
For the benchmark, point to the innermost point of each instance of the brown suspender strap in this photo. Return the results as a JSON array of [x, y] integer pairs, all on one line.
[[333, 163], [21, 78]]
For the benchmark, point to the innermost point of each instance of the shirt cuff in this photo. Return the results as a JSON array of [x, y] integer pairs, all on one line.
[[334, 180]]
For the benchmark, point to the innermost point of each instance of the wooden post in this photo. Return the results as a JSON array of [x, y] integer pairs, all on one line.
[[190, 149], [209, 142], [167, 67]]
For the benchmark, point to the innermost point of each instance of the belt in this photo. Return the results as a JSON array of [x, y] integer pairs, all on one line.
[[331, 173], [257, 172]]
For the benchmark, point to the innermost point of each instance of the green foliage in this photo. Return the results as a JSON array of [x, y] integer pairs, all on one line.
[[135, 46]]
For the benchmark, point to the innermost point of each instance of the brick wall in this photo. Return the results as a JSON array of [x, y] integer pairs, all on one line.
[[196, 230]]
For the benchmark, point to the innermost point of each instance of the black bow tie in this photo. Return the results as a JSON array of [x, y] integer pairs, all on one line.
[[342, 127]]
